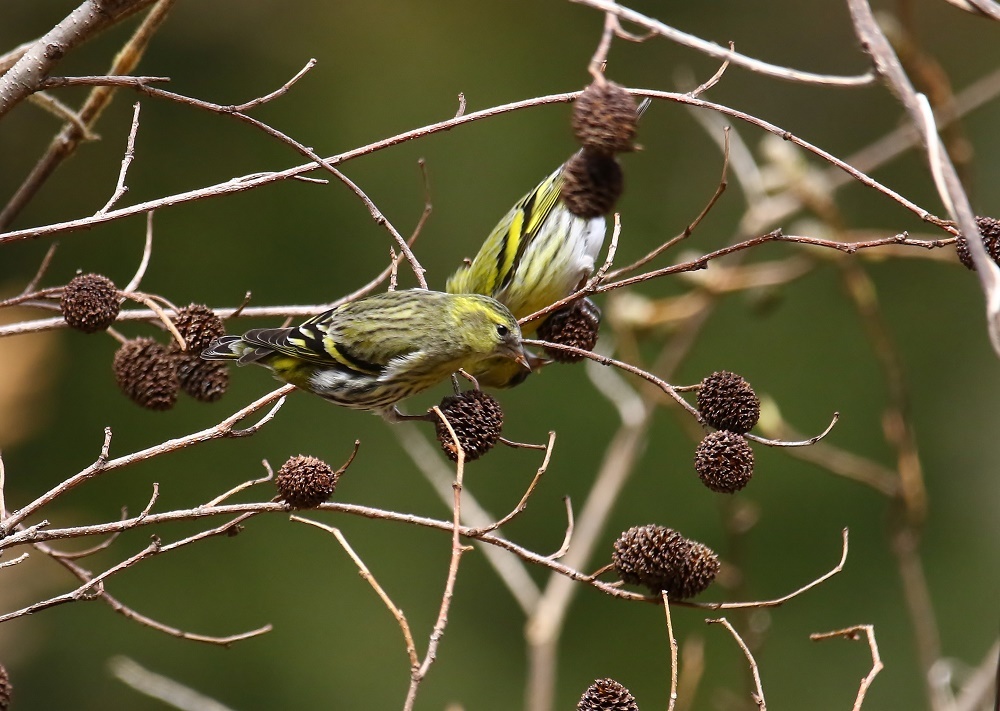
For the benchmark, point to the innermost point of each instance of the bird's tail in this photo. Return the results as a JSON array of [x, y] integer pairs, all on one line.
[[231, 348]]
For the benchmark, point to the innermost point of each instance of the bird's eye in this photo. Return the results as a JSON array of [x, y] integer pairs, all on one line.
[[502, 330]]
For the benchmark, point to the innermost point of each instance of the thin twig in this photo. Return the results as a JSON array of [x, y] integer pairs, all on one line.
[[687, 232], [244, 183], [29, 72], [568, 536], [280, 91], [758, 694], [88, 579], [226, 428], [103, 545], [627, 367], [704, 260], [14, 561], [42, 268], [715, 78], [147, 252], [66, 142], [854, 633], [366, 575], [673, 652], [777, 602], [523, 503], [120, 187], [148, 300], [713, 50], [953, 195], [245, 485], [429, 460], [833, 459], [600, 58], [457, 549], [800, 443], [39, 533]]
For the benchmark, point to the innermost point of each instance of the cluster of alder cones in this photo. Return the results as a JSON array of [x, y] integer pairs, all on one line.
[[151, 373]]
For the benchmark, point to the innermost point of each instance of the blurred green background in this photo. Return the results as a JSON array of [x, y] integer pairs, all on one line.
[[388, 66]]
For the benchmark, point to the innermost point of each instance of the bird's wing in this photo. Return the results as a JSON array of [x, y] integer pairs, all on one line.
[[498, 259], [530, 214], [321, 340], [311, 343]]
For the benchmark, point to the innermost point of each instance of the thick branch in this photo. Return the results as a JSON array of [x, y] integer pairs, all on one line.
[[28, 73]]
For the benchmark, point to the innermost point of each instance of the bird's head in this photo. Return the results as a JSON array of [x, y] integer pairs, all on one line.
[[490, 329]]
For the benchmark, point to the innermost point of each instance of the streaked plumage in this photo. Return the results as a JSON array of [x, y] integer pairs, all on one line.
[[371, 353], [539, 253]]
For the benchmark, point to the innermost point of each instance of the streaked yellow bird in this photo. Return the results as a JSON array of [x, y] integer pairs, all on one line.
[[371, 353]]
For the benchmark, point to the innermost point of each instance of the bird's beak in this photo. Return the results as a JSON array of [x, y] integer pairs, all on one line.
[[521, 358]]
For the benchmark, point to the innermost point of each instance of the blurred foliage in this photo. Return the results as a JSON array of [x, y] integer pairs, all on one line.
[[387, 66]]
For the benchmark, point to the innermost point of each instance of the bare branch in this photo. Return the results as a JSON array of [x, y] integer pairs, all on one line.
[[226, 428], [713, 50], [14, 561], [758, 695], [250, 182], [568, 537], [854, 633], [429, 460], [120, 187], [523, 503], [801, 443], [280, 91], [28, 73], [66, 142], [949, 186], [147, 252], [673, 652], [366, 574], [457, 549]]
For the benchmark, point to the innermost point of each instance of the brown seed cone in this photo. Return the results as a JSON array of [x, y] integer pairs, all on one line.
[[697, 571], [199, 325], [663, 560], [5, 689], [204, 380], [477, 419], [576, 325], [592, 183], [990, 227], [727, 402], [604, 118], [90, 303], [145, 372], [724, 461], [607, 695], [306, 482]]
